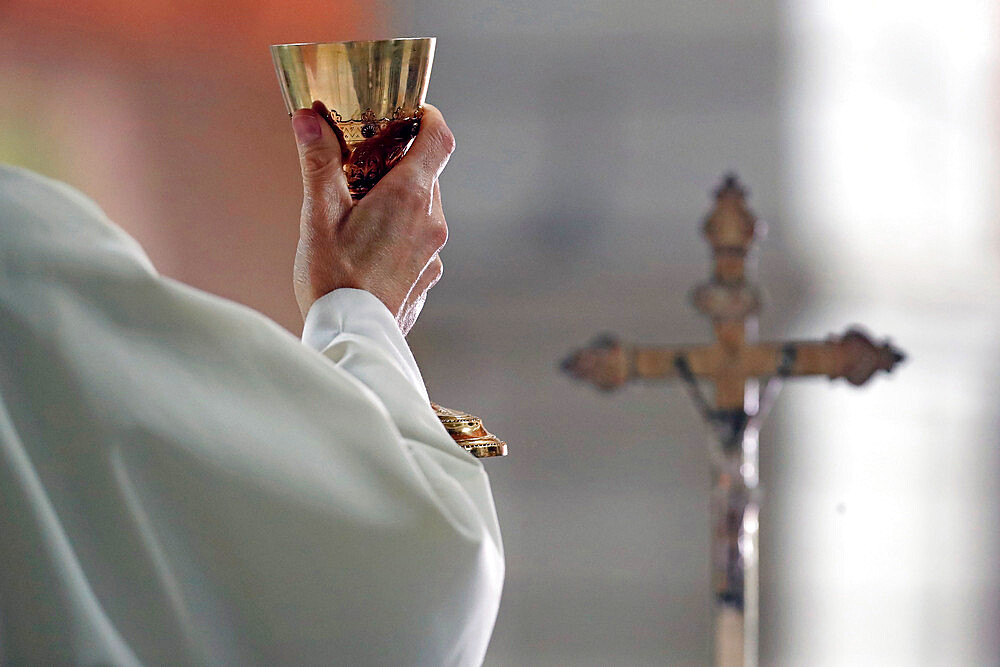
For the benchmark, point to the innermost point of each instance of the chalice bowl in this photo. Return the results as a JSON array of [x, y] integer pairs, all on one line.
[[371, 92]]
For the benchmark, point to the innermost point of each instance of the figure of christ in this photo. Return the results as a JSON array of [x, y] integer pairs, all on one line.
[[183, 482]]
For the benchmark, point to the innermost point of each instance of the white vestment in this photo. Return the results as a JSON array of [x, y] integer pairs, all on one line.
[[183, 481]]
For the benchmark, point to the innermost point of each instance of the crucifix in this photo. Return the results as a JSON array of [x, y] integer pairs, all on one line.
[[737, 366]]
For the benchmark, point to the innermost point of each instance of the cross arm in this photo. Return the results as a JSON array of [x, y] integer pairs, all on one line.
[[608, 363], [852, 356]]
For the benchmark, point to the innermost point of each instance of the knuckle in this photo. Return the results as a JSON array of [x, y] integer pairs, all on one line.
[[447, 139], [435, 137], [437, 233], [442, 138]]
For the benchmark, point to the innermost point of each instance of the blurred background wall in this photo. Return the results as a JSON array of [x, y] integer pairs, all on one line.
[[590, 135]]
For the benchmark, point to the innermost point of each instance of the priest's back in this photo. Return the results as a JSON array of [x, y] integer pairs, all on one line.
[[183, 481]]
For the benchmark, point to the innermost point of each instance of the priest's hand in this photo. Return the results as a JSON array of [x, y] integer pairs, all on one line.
[[386, 243]]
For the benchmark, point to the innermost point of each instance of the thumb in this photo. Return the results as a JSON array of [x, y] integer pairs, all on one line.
[[320, 154]]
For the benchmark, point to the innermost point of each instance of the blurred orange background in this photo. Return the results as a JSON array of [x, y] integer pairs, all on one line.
[[168, 114]]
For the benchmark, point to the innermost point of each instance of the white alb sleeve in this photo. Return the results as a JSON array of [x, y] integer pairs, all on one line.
[[356, 314], [357, 332]]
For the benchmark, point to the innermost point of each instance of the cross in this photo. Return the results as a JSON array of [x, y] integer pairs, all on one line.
[[735, 366]]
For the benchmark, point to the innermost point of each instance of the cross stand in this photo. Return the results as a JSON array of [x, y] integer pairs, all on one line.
[[735, 366]]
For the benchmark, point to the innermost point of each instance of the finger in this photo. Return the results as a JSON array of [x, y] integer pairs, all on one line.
[[437, 210], [437, 214], [430, 277], [432, 148], [345, 151], [418, 295], [320, 156], [410, 313]]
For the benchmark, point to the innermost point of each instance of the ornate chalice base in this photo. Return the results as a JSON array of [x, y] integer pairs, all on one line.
[[468, 431]]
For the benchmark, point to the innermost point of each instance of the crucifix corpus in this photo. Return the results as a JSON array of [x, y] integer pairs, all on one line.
[[736, 366]]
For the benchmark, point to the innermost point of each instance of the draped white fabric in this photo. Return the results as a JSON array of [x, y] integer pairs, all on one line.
[[183, 481]]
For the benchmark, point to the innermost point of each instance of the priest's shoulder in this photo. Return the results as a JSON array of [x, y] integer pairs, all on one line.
[[38, 213], [28, 192]]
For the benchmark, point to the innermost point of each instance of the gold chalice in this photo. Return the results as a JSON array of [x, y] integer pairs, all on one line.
[[371, 93]]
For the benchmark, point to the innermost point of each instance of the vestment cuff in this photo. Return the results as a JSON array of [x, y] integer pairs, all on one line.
[[354, 311]]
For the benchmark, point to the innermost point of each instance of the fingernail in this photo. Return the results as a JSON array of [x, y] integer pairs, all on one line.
[[306, 128]]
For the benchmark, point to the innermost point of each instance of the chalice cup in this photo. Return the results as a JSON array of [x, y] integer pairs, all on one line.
[[371, 92]]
